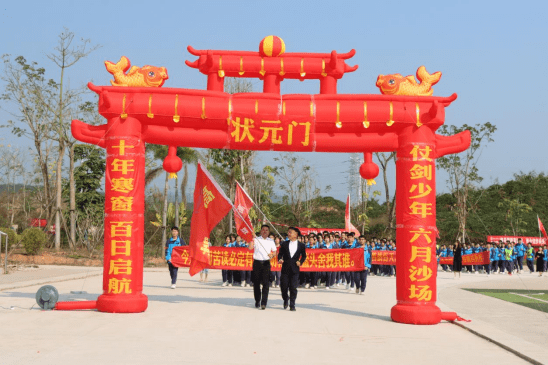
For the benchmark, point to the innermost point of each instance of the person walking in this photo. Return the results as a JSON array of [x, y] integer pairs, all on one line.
[[291, 256], [530, 257], [360, 277], [457, 259], [263, 250], [171, 243], [540, 261], [508, 251]]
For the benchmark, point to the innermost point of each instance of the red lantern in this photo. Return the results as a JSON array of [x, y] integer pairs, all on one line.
[[369, 170], [172, 163]]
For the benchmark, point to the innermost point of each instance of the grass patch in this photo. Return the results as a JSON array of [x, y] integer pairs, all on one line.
[[534, 299]]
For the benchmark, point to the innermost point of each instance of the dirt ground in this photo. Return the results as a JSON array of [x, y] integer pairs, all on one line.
[[73, 258]]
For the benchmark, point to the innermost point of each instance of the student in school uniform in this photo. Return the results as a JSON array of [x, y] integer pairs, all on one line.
[[491, 267], [476, 249], [311, 277], [335, 246], [514, 258], [228, 275], [449, 253], [245, 275], [545, 259], [521, 253], [502, 258], [348, 274], [275, 275], [329, 275], [391, 268], [360, 277], [171, 243], [443, 254], [530, 253], [508, 257]]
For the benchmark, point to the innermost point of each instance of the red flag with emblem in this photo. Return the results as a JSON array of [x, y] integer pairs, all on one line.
[[348, 226], [541, 227], [243, 204], [210, 206]]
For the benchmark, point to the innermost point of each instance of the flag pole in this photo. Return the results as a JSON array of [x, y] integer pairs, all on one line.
[[259, 209]]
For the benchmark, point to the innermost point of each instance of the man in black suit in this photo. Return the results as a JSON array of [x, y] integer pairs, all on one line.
[[291, 256]]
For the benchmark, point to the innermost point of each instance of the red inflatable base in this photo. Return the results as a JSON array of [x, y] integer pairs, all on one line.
[[122, 303], [415, 314]]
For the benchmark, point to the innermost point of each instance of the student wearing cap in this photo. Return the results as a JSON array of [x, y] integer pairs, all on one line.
[[171, 243], [228, 275], [291, 256]]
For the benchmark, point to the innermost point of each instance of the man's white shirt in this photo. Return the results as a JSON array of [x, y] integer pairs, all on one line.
[[293, 247], [263, 246]]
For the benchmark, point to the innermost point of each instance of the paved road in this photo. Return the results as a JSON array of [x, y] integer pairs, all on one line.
[[208, 324]]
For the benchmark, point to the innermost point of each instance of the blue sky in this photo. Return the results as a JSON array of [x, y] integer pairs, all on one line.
[[493, 54]]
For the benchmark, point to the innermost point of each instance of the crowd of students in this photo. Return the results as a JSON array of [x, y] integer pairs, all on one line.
[[503, 257]]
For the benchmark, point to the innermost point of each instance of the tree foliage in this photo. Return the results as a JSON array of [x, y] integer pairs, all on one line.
[[463, 174]]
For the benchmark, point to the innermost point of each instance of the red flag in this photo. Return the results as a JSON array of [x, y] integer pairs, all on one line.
[[243, 204], [541, 227], [210, 206], [348, 226]]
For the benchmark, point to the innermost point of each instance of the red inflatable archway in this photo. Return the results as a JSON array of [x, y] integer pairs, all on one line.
[[324, 122]]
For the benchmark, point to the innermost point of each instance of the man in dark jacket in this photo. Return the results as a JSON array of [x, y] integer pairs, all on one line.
[[291, 256]]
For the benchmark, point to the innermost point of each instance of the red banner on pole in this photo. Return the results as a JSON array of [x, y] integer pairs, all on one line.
[[348, 226], [210, 206], [243, 204], [230, 258], [541, 227]]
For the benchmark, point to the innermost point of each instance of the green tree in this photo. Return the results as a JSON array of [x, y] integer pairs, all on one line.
[[33, 240], [26, 88], [87, 178], [65, 55], [463, 175], [514, 215]]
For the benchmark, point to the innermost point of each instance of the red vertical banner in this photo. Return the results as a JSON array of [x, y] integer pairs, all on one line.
[[210, 206], [124, 221], [416, 229], [541, 227], [348, 226], [243, 204]]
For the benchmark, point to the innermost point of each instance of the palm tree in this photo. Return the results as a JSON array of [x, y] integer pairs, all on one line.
[[187, 155]]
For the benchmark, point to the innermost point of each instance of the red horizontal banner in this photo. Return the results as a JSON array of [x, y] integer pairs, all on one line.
[[383, 257], [535, 241], [480, 258], [242, 259]]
